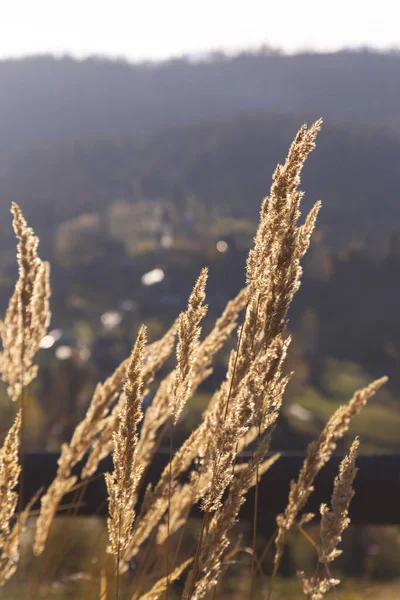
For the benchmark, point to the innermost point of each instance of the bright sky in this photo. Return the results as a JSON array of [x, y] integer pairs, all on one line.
[[153, 29]]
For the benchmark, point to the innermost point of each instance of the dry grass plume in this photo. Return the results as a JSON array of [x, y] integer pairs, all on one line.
[[242, 413]]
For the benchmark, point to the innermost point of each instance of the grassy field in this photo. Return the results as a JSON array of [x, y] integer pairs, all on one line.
[[284, 590]]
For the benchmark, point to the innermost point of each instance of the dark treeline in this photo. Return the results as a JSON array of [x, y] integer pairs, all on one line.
[[227, 165], [46, 99]]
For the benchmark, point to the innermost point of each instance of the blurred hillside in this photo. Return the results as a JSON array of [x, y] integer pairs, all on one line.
[[135, 176], [77, 135], [45, 99], [226, 165]]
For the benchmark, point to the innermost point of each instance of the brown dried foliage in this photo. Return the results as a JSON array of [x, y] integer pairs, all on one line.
[[28, 312], [241, 412], [122, 483], [9, 473]]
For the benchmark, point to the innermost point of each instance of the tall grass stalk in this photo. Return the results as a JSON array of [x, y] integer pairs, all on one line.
[[242, 414]]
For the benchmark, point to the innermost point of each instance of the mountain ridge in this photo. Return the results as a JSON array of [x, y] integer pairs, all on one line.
[[46, 99]]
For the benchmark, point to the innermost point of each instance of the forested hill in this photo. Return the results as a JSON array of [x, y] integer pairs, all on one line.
[[127, 171], [46, 99], [76, 136], [226, 165]]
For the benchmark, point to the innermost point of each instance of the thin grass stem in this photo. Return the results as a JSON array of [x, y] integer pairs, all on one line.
[[171, 437]]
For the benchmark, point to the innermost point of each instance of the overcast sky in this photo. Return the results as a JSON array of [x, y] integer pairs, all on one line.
[[154, 29]]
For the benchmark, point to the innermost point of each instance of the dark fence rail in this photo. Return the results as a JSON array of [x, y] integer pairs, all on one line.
[[377, 486]]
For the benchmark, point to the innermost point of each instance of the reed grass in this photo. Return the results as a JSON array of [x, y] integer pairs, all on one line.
[[242, 414]]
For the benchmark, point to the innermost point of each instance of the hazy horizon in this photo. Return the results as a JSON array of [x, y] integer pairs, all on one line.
[[156, 30]]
